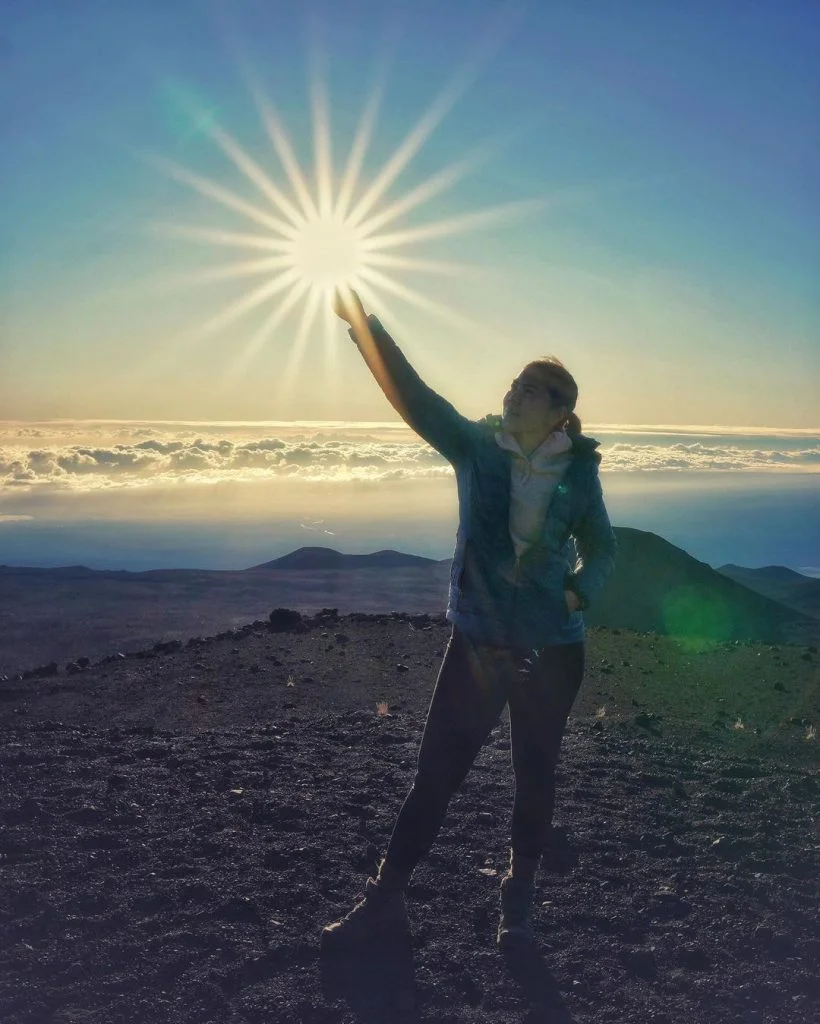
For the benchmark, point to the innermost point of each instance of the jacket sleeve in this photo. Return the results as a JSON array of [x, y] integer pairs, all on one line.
[[429, 415], [596, 544]]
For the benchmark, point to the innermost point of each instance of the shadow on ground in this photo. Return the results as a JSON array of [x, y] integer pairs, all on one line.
[[537, 982], [378, 983]]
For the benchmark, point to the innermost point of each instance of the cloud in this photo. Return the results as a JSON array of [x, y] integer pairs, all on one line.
[[166, 461], [696, 455], [84, 457]]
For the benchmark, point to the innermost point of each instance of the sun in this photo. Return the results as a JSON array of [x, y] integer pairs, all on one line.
[[322, 231], [327, 253]]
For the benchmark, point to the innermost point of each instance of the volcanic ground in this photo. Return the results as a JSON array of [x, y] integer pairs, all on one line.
[[180, 822]]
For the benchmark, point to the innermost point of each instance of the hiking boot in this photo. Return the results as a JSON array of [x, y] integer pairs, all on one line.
[[514, 928], [380, 917]]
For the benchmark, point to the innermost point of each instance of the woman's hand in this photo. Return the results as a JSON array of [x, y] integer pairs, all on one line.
[[572, 600], [348, 306]]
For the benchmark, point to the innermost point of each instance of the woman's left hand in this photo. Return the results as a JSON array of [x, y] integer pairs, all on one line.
[[572, 600]]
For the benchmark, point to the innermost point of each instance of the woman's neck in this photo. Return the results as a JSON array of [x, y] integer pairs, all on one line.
[[529, 440]]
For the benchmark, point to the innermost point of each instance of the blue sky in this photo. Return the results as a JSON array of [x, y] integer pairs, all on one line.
[[674, 269]]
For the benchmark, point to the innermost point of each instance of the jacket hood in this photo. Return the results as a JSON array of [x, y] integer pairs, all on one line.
[[585, 446]]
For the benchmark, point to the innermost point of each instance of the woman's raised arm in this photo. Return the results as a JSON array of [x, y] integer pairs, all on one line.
[[426, 412]]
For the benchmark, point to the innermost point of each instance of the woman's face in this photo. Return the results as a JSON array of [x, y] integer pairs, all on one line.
[[531, 406]]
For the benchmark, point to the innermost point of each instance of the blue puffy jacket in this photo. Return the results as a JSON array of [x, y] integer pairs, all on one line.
[[494, 597]]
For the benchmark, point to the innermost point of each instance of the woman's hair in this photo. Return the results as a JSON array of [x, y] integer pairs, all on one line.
[[562, 385]]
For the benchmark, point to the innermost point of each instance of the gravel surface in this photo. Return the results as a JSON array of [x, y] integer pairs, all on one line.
[[179, 824]]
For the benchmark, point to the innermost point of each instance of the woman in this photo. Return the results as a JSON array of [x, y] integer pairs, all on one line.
[[530, 502]]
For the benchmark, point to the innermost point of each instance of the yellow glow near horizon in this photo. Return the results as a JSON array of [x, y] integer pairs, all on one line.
[[324, 236]]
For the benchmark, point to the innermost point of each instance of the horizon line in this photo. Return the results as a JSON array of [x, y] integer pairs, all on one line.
[[400, 425], [808, 571]]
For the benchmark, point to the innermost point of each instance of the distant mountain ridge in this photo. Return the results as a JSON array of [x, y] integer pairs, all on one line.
[[793, 589], [320, 558], [656, 587]]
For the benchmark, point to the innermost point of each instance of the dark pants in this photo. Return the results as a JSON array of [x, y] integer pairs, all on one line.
[[474, 684]]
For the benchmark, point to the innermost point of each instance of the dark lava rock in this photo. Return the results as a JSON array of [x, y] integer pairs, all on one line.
[[285, 620], [168, 647], [42, 672]]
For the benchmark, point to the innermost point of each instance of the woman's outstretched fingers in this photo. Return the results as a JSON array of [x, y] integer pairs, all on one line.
[[348, 305]]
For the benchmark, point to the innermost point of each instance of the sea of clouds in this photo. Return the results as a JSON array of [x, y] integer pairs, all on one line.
[[93, 456]]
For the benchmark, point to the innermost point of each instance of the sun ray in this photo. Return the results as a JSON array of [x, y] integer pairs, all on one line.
[[329, 322], [426, 125], [383, 259], [284, 150], [211, 190], [355, 160], [269, 325], [438, 309], [331, 365], [295, 355], [323, 161], [433, 186], [213, 236], [252, 170], [250, 301], [227, 272], [403, 155], [455, 225], [364, 129]]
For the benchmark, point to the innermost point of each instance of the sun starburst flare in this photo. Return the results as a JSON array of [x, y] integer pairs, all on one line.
[[321, 236]]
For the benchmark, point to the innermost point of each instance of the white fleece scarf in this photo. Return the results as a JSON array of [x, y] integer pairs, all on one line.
[[533, 481]]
